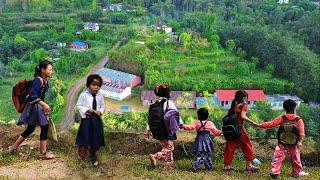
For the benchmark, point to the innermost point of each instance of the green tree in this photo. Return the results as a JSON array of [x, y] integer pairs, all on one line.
[[185, 39]]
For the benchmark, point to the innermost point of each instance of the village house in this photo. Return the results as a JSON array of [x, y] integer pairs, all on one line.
[[204, 102], [182, 99], [114, 91], [91, 26], [276, 100], [120, 78], [79, 46], [55, 44], [116, 7], [164, 27], [225, 97], [283, 1], [116, 84]]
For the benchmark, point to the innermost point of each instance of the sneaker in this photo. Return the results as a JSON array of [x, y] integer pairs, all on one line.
[[94, 160], [274, 176], [252, 169], [301, 174], [153, 160]]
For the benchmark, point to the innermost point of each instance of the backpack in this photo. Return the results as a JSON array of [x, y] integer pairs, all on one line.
[[288, 133], [230, 127], [156, 120], [20, 91]]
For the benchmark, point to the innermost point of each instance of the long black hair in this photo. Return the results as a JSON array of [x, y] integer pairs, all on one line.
[[238, 98], [42, 65]]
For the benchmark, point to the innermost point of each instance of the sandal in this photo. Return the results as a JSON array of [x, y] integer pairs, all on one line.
[[46, 156], [11, 150], [153, 160], [252, 169]]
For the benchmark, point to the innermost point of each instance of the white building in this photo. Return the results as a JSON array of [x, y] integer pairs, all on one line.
[[114, 91], [91, 26], [283, 1], [276, 100]]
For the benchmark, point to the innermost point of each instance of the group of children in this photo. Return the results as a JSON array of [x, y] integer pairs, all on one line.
[[203, 144], [90, 136]]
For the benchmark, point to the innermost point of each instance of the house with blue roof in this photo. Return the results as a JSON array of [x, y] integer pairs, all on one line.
[[79, 46], [120, 78]]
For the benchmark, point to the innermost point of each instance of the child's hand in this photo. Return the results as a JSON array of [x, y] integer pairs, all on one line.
[[299, 144], [148, 134], [98, 113]]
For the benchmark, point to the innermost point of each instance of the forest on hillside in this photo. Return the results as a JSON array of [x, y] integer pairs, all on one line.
[[234, 44]]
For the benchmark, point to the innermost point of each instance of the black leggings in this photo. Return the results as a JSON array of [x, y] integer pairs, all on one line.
[[30, 129]]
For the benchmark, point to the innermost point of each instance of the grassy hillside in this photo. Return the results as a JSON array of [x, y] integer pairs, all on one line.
[[125, 156]]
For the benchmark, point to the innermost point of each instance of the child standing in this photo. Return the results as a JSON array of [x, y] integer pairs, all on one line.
[[162, 93], [239, 107], [282, 150], [91, 106], [203, 144], [36, 110]]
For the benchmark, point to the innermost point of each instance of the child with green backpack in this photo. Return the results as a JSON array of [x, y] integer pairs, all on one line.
[[290, 136]]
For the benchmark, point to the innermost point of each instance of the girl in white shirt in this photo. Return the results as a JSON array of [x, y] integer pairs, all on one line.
[[91, 105]]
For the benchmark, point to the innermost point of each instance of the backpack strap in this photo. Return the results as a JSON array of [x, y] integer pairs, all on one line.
[[41, 82], [202, 125], [285, 119]]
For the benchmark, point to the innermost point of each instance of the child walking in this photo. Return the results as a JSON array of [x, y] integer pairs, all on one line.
[[91, 106], [36, 110], [282, 150], [203, 144], [239, 107], [162, 93]]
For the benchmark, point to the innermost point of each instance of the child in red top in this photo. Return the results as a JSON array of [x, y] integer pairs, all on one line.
[[203, 145], [239, 107], [282, 150]]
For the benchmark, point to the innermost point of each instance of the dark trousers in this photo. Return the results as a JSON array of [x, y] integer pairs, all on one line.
[[30, 129], [202, 158]]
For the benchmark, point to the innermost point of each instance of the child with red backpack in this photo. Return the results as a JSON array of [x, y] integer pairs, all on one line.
[[35, 110], [203, 144], [290, 136], [163, 128]]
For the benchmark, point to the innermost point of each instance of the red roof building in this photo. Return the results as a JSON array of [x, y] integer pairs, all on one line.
[[225, 97]]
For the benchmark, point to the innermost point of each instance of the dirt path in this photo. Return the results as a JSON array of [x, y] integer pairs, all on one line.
[[75, 89]]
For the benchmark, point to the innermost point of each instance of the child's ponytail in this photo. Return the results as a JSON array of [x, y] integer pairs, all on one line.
[[37, 71]]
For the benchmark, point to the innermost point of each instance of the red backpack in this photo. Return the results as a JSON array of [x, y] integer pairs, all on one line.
[[20, 91]]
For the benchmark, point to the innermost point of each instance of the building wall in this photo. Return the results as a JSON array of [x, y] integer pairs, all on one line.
[[117, 96]]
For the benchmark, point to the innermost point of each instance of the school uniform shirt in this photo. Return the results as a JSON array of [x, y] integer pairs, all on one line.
[[33, 114], [170, 105], [37, 90], [278, 121], [85, 100], [208, 127]]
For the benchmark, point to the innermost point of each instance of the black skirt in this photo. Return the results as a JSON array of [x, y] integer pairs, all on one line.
[[90, 132]]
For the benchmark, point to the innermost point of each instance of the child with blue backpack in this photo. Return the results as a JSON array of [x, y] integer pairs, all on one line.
[[203, 144]]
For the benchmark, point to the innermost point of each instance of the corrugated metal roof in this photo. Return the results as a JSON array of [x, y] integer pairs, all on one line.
[[117, 76], [111, 88]]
